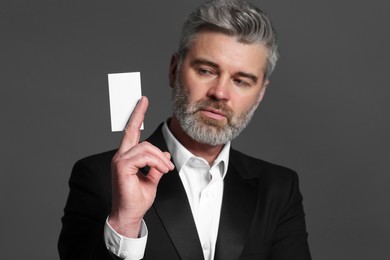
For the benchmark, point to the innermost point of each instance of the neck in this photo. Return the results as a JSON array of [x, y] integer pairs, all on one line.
[[205, 151]]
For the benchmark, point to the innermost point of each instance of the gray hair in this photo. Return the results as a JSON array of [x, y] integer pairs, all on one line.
[[235, 18]]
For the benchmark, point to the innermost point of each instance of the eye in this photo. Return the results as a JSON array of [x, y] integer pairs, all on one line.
[[206, 72], [241, 83]]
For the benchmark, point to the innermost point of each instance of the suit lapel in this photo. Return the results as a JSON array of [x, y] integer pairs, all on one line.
[[172, 207], [238, 205]]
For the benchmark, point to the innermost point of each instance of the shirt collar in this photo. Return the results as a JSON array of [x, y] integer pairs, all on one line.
[[181, 155]]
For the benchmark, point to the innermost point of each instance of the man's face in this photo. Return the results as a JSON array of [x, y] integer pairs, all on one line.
[[217, 87]]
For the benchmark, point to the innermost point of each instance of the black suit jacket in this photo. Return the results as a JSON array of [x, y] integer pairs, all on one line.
[[261, 217]]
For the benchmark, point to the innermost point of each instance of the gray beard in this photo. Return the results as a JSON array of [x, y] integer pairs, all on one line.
[[207, 130]]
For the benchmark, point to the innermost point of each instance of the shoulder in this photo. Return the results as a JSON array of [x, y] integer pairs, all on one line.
[[278, 182], [97, 160], [94, 165], [251, 167]]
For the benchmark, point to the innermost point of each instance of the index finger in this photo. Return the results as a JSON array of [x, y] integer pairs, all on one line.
[[132, 131]]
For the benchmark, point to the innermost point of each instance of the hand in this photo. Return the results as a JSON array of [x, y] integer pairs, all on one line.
[[133, 193]]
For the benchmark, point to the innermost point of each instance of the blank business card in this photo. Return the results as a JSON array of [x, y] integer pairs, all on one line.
[[125, 92]]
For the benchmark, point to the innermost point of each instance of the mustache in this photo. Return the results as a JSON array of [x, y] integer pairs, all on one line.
[[182, 101], [217, 105]]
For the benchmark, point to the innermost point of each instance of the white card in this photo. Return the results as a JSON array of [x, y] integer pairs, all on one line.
[[125, 92]]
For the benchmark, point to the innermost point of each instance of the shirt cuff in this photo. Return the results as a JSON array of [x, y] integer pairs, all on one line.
[[124, 247]]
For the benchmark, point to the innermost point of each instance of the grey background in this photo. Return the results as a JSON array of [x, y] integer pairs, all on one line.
[[325, 114]]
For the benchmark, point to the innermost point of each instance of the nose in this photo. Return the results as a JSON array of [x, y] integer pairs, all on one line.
[[219, 89]]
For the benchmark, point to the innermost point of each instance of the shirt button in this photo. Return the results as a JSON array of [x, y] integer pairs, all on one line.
[[206, 246], [123, 255]]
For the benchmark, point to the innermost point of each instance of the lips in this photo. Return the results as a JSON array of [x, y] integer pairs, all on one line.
[[213, 113]]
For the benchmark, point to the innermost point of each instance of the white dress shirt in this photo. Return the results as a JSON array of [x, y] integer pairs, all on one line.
[[204, 188]]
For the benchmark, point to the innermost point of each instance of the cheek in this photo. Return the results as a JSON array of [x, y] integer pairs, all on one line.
[[243, 103], [195, 90]]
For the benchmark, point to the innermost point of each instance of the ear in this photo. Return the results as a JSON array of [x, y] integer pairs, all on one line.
[[262, 92], [173, 69]]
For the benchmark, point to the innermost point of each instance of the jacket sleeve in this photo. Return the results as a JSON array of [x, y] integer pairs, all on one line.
[[87, 207], [290, 238]]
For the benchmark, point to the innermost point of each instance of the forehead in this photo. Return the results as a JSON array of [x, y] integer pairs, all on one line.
[[228, 52]]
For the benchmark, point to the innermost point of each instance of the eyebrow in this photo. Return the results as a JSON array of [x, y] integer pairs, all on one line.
[[214, 65], [204, 62]]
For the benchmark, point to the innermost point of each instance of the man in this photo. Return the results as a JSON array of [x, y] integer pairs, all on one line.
[[185, 193]]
